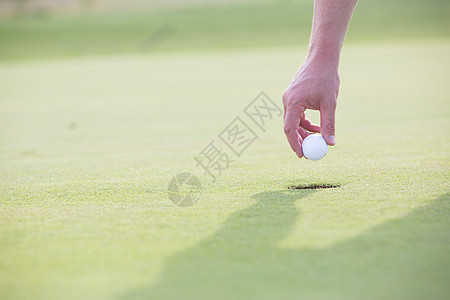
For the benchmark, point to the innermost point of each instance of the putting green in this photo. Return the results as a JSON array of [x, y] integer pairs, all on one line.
[[215, 25], [89, 145]]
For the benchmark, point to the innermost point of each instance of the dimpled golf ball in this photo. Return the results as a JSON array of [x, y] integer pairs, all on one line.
[[314, 147]]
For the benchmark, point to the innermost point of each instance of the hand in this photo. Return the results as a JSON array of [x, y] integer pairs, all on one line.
[[315, 86]]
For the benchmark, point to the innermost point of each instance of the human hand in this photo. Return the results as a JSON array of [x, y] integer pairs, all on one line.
[[315, 86]]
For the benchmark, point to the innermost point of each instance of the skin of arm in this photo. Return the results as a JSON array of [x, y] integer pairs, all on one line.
[[316, 84]]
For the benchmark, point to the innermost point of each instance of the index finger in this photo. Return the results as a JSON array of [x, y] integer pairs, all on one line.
[[291, 124]]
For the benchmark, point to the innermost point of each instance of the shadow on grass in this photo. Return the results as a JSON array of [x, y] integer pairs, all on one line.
[[406, 258]]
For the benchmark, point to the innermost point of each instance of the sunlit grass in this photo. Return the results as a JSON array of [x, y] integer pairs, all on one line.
[[89, 145]]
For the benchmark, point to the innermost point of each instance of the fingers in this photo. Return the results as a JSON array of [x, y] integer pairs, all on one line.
[[308, 125], [291, 121], [327, 124], [303, 133]]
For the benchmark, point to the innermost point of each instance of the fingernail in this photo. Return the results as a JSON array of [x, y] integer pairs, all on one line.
[[332, 139]]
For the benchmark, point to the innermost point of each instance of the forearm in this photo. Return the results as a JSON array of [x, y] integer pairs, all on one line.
[[316, 84], [330, 22]]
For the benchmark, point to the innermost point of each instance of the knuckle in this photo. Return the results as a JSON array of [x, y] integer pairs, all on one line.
[[330, 103], [329, 108], [291, 99], [333, 104], [287, 129], [329, 126]]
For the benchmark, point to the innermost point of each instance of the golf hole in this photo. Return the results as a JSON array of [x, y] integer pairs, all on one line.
[[313, 186]]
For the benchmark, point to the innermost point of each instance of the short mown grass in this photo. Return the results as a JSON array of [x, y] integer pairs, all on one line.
[[89, 143]]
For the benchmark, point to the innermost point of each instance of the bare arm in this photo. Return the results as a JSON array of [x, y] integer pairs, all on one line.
[[316, 84]]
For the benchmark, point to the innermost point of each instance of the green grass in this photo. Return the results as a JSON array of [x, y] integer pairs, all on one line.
[[88, 146], [273, 23], [92, 130]]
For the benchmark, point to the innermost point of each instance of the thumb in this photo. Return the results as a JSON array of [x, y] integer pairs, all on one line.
[[327, 124]]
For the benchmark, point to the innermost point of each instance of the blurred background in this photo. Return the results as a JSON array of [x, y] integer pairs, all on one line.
[[102, 102], [52, 28]]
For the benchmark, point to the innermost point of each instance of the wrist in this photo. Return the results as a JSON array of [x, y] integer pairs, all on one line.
[[323, 55], [320, 64]]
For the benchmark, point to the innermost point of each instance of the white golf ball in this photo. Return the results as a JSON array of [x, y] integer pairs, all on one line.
[[314, 147]]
